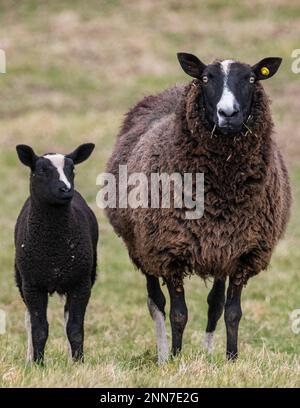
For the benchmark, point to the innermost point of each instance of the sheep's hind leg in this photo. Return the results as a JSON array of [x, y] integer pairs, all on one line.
[[232, 315], [75, 308], [156, 306], [178, 315], [216, 301], [36, 323]]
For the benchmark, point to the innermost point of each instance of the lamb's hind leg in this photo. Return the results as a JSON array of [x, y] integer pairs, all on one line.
[[156, 305], [77, 301], [178, 315], [216, 301]]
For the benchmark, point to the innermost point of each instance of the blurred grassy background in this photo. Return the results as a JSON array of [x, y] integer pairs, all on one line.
[[73, 70]]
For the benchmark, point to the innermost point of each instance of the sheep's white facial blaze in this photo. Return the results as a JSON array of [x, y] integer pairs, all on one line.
[[161, 334], [58, 161], [227, 101]]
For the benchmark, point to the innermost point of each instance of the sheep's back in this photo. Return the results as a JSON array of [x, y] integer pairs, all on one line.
[[141, 140]]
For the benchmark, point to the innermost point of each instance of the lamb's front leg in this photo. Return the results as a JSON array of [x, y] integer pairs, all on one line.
[[75, 308], [36, 323]]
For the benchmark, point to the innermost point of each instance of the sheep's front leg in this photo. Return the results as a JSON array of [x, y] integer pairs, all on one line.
[[75, 308], [215, 300], [233, 314], [36, 323], [156, 306], [178, 315]]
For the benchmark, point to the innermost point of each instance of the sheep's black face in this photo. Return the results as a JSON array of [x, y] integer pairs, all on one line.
[[52, 175], [228, 88]]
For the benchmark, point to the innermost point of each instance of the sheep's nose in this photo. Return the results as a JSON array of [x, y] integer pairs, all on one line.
[[228, 111], [65, 189]]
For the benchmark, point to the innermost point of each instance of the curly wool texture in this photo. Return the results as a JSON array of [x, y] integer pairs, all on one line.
[[247, 192], [56, 247]]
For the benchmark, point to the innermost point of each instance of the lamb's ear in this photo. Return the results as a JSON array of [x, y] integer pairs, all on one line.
[[266, 68], [82, 153], [26, 155], [191, 64]]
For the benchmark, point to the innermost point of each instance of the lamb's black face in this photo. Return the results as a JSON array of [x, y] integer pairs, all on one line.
[[52, 175], [228, 88], [52, 179]]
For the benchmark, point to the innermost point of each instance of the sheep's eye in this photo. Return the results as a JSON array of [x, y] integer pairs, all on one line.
[[205, 79], [252, 80], [71, 170]]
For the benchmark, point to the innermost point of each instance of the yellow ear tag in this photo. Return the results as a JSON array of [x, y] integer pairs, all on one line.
[[265, 71]]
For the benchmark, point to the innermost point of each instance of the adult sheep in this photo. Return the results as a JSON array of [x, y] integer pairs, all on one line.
[[56, 237], [220, 125]]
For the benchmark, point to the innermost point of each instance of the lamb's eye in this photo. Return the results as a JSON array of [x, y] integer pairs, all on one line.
[[42, 171], [252, 80], [205, 79]]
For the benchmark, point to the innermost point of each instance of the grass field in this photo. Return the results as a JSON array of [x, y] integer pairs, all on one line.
[[73, 69]]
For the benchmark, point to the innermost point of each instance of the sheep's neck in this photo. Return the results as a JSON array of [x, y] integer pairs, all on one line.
[[204, 145]]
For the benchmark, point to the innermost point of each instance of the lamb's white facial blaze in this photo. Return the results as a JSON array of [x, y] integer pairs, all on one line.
[[58, 161], [227, 100]]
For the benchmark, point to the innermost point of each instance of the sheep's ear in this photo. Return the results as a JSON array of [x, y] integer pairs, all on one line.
[[191, 64], [266, 68], [82, 153], [26, 155]]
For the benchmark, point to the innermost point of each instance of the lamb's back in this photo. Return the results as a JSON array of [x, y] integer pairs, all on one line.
[[21, 222], [84, 212]]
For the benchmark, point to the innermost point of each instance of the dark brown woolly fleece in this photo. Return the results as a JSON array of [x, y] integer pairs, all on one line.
[[247, 191]]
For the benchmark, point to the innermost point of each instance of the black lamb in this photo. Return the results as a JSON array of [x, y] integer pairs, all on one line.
[[56, 237]]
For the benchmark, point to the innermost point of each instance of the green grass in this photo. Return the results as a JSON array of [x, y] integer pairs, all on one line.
[[73, 70]]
